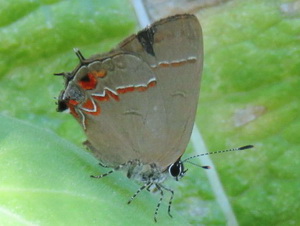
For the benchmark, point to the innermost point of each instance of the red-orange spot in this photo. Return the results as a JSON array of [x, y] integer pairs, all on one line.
[[73, 102], [88, 82], [125, 90], [114, 96], [72, 110], [90, 106], [176, 64], [141, 88], [164, 65], [144, 88], [152, 84], [100, 98], [102, 73], [97, 112]]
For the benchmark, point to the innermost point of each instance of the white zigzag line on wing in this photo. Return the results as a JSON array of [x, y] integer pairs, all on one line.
[[173, 62], [89, 110], [122, 87], [82, 119]]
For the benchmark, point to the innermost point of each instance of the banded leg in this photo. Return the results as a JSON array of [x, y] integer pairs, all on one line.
[[171, 199], [153, 190], [113, 170], [102, 165], [138, 191], [159, 202]]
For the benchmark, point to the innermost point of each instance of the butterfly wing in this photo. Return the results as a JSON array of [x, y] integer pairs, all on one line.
[[140, 99]]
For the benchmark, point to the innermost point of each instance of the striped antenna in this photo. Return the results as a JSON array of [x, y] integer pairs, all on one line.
[[218, 152]]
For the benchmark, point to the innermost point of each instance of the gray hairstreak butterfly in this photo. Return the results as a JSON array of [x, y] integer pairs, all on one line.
[[137, 103]]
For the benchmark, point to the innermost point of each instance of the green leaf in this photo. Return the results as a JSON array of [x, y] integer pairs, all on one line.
[[250, 95], [45, 180]]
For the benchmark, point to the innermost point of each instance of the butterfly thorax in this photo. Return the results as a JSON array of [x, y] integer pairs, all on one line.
[[138, 171]]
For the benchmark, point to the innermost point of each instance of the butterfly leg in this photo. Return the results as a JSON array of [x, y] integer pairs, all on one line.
[[113, 170], [171, 199], [159, 202], [102, 165], [139, 190]]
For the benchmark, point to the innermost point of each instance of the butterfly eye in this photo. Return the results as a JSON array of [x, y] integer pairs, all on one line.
[[61, 106], [176, 170]]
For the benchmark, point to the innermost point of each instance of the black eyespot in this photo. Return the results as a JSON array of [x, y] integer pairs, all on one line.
[[86, 78]]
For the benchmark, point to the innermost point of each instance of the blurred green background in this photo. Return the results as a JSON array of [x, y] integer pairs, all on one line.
[[249, 95]]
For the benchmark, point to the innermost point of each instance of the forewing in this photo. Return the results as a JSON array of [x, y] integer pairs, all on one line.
[[173, 48]]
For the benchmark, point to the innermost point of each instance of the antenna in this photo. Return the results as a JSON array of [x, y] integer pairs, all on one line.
[[216, 152]]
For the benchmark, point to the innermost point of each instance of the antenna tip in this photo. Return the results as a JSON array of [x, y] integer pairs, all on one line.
[[246, 147], [206, 167]]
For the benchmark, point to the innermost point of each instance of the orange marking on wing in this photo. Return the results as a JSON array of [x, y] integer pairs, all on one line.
[[73, 102], [141, 88], [172, 64], [97, 112], [114, 96], [72, 110], [144, 88], [152, 84], [100, 98], [88, 82], [100, 74], [125, 90], [89, 105], [164, 65], [177, 63]]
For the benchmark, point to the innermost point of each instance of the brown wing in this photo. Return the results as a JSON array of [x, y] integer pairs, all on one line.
[[149, 94]]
